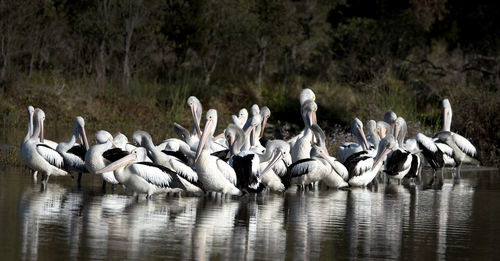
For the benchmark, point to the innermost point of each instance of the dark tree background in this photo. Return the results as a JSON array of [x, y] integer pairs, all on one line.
[[361, 57]]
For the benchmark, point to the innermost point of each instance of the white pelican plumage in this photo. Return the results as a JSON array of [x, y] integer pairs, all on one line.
[[390, 118], [302, 147], [187, 175], [463, 150], [215, 174], [321, 166], [246, 163], [305, 95], [40, 156], [30, 111], [241, 119], [363, 168], [274, 166], [349, 148], [74, 154], [143, 177], [94, 159], [192, 138]]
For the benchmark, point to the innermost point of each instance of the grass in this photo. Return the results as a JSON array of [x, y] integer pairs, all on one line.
[[154, 106]]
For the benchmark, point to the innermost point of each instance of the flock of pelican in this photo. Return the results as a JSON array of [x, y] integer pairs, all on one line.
[[238, 160]]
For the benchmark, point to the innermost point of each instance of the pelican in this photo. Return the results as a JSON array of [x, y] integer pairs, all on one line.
[[373, 138], [429, 150], [390, 118], [321, 166], [383, 129], [302, 148], [192, 138], [143, 177], [241, 118], [95, 160], [401, 162], [254, 110], [274, 174], [400, 130], [265, 113], [305, 95], [215, 174], [30, 111], [246, 163], [187, 176], [74, 154], [349, 148], [463, 150], [179, 149], [40, 156], [363, 168]]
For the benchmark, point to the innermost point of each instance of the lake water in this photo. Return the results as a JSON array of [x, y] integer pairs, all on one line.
[[445, 218], [451, 219]]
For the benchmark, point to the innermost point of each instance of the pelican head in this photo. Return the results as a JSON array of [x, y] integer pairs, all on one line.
[[254, 110], [38, 120], [265, 113], [141, 138], [306, 94], [235, 137], [280, 149], [383, 129], [243, 114], [79, 127], [103, 136], [137, 155], [447, 115], [196, 110], [357, 131], [400, 130], [308, 110], [371, 125], [30, 111], [209, 130], [390, 117], [386, 145]]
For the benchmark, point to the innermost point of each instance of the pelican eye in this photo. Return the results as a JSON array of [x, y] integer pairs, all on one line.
[[313, 97]]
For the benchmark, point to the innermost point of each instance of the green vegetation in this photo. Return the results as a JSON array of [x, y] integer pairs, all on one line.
[[132, 64]]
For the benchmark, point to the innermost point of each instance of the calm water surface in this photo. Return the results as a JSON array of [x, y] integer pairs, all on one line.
[[456, 219]]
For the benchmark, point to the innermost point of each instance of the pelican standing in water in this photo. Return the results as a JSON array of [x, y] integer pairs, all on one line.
[[349, 148], [40, 156], [143, 177], [215, 174], [363, 168], [95, 160], [401, 162], [74, 154], [302, 148], [30, 111], [305, 95], [192, 138], [463, 150], [187, 176], [321, 166]]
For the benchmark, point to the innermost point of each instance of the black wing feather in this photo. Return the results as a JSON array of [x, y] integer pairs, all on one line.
[[395, 162], [304, 171], [114, 154], [178, 155], [222, 154], [79, 151]]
